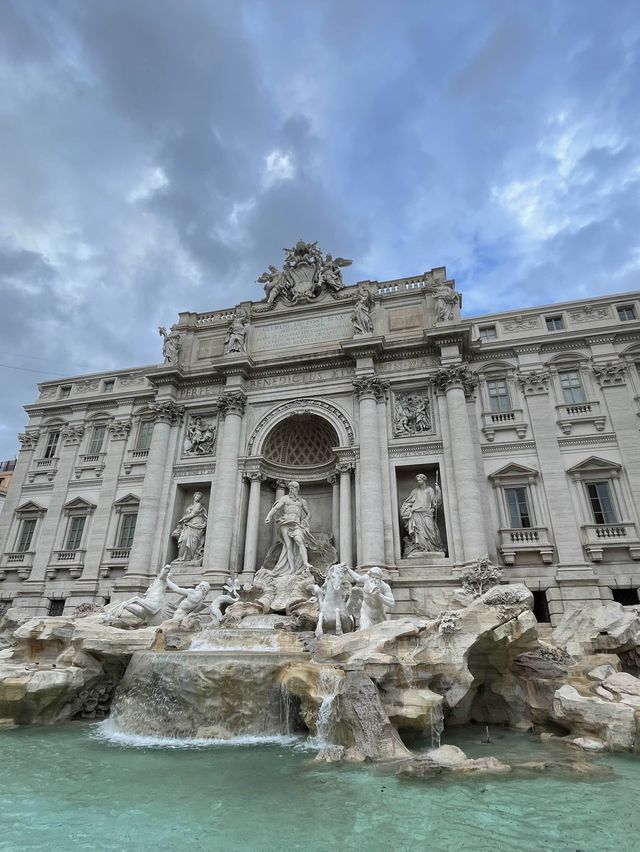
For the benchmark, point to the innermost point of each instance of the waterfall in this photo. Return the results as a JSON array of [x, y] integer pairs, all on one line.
[[435, 725], [328, 684]]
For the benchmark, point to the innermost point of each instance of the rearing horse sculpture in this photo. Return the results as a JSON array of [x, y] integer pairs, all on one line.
[[332, 601]]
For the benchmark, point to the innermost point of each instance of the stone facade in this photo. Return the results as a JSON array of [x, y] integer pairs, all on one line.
[[524, 423]]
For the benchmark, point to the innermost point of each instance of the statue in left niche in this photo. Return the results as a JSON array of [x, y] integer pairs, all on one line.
[[190, 531], [171, 345], [236, 333], [199, 438]]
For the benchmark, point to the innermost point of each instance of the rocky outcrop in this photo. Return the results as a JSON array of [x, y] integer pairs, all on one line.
[[598, 627]]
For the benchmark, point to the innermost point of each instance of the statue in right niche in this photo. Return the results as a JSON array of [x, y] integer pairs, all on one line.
[[419, 513]]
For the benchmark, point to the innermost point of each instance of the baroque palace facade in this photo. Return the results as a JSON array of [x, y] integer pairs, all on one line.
[[524, 425]]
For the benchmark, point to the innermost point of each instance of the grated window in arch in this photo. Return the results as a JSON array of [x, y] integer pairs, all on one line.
[[301, 439]]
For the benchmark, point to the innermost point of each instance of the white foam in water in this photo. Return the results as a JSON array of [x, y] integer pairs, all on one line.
[[110, 732], [203, 645]]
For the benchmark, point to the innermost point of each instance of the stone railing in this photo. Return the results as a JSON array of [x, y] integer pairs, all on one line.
[[19, 560], [493, 421], [219, 316], [515, 540], [90, 461], [73, 556], [599, 537], [580, 412], [118, 554]]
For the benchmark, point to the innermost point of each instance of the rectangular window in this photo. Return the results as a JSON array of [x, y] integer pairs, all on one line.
[[488, 332], [144, 435], [626, 313], [107, 385], [65, 391], [52, 444], [127, 529], [97, 439], [74, 532], [56, 606], [626, 597], [601, 502], [554, 323], [27, 529], [498, 395], [571, 385], [518, 507]]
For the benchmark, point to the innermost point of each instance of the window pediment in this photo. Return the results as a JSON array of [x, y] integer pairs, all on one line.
[[129, 501], [592, 465], [30, 508], [79, 503], [513, 471]]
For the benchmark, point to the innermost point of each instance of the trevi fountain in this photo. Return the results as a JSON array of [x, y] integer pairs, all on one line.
[[273, 670]]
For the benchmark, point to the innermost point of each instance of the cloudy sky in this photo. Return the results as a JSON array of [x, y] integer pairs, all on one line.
[[156, 155]]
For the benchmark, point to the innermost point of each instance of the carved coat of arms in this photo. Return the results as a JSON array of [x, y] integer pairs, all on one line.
[[305, 274]]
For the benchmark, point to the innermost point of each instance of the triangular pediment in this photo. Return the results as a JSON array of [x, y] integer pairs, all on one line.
[[79, 503], [594, 464], [30, 507], [127, 500], [513, 469]]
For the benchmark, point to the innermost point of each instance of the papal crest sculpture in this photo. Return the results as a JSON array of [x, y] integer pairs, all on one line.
[[306, 273]]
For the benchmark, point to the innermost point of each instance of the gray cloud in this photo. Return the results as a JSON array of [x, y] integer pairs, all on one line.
[[157, 155]]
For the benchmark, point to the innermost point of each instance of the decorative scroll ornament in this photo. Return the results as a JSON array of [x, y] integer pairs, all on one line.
[[520, 323], [459, 375], [411, 414], [304, 276], [611, 373], [72, 433], [29, 440], [370, 386], [588, 313], [232, 402], [119, 429], [88, 385], [167, 412], [536, 381]]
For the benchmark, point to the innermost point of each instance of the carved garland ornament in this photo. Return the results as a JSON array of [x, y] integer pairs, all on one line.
[[300, 406]]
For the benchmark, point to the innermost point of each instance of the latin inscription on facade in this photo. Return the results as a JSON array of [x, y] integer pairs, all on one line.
[[306, 378], [281, 335]]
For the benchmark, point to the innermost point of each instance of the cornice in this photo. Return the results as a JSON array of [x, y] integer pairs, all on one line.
[[519, 447]]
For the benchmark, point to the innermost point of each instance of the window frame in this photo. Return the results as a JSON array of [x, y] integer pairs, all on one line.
[[73, 517], [51, 447], [142, 429], [494, 380], [122, 523], [91, 449], [569, 387], [552, 318], [626, 307], [613, 508], [493, 335], [18, 547], [531, 521]]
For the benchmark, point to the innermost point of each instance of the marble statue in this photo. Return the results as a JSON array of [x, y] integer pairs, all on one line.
[[305, 275], [236, 333], [171, 345], [331, 272], [411, 414], [377, 596], [362, 316], [333, 602], [446, 299], [150, 608], [275, 283], [190, 531], [293, 528], [230, 595], [192, 602], [420, 515], [200, 438]]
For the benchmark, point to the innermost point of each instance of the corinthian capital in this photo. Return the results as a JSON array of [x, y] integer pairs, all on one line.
[[370, 387], [28, 440], [534, 381], [72, 433], [611, 373], [119, 429], [458, 375], [232, 402], [167, 412]]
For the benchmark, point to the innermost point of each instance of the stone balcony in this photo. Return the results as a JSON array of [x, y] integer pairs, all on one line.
[[571, 414], [496, 421], [20, 562], [598, 538], [71, 559], [135, 458], [42, 467], [116, 556], [90, 462], [525, 540]]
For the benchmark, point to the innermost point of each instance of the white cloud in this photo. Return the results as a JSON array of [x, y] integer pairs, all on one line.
[[278, 166]]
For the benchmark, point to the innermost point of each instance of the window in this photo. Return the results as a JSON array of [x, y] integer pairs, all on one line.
[[144, 435], [52, 444], [554, 323], [56, 606], [541, 607], [518, 507], [626, 313], [626, 597], [601, 501], [107, 385], [127, 529], [74, 532], [97, 439], [571, 384], [25, 536], [498, 395], [488, 332], [65, 391]]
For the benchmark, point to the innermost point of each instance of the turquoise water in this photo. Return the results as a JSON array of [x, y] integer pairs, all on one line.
[[66, 789]]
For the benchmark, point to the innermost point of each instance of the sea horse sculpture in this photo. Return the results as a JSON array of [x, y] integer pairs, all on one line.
[[332, 601]]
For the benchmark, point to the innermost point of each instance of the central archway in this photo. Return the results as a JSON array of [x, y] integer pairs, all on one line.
[[301, 440]]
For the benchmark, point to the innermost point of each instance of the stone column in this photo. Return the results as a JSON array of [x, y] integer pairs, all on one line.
[[335, 509], [387, 509], [281, 490], [29, 442], [456, 382], [70, 438], [253, 521], [369, 389], [346, 531], [231, 407], [166, 414], [118, 434]]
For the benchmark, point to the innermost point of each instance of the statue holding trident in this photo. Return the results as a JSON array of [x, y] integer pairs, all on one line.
[[420, 515]]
